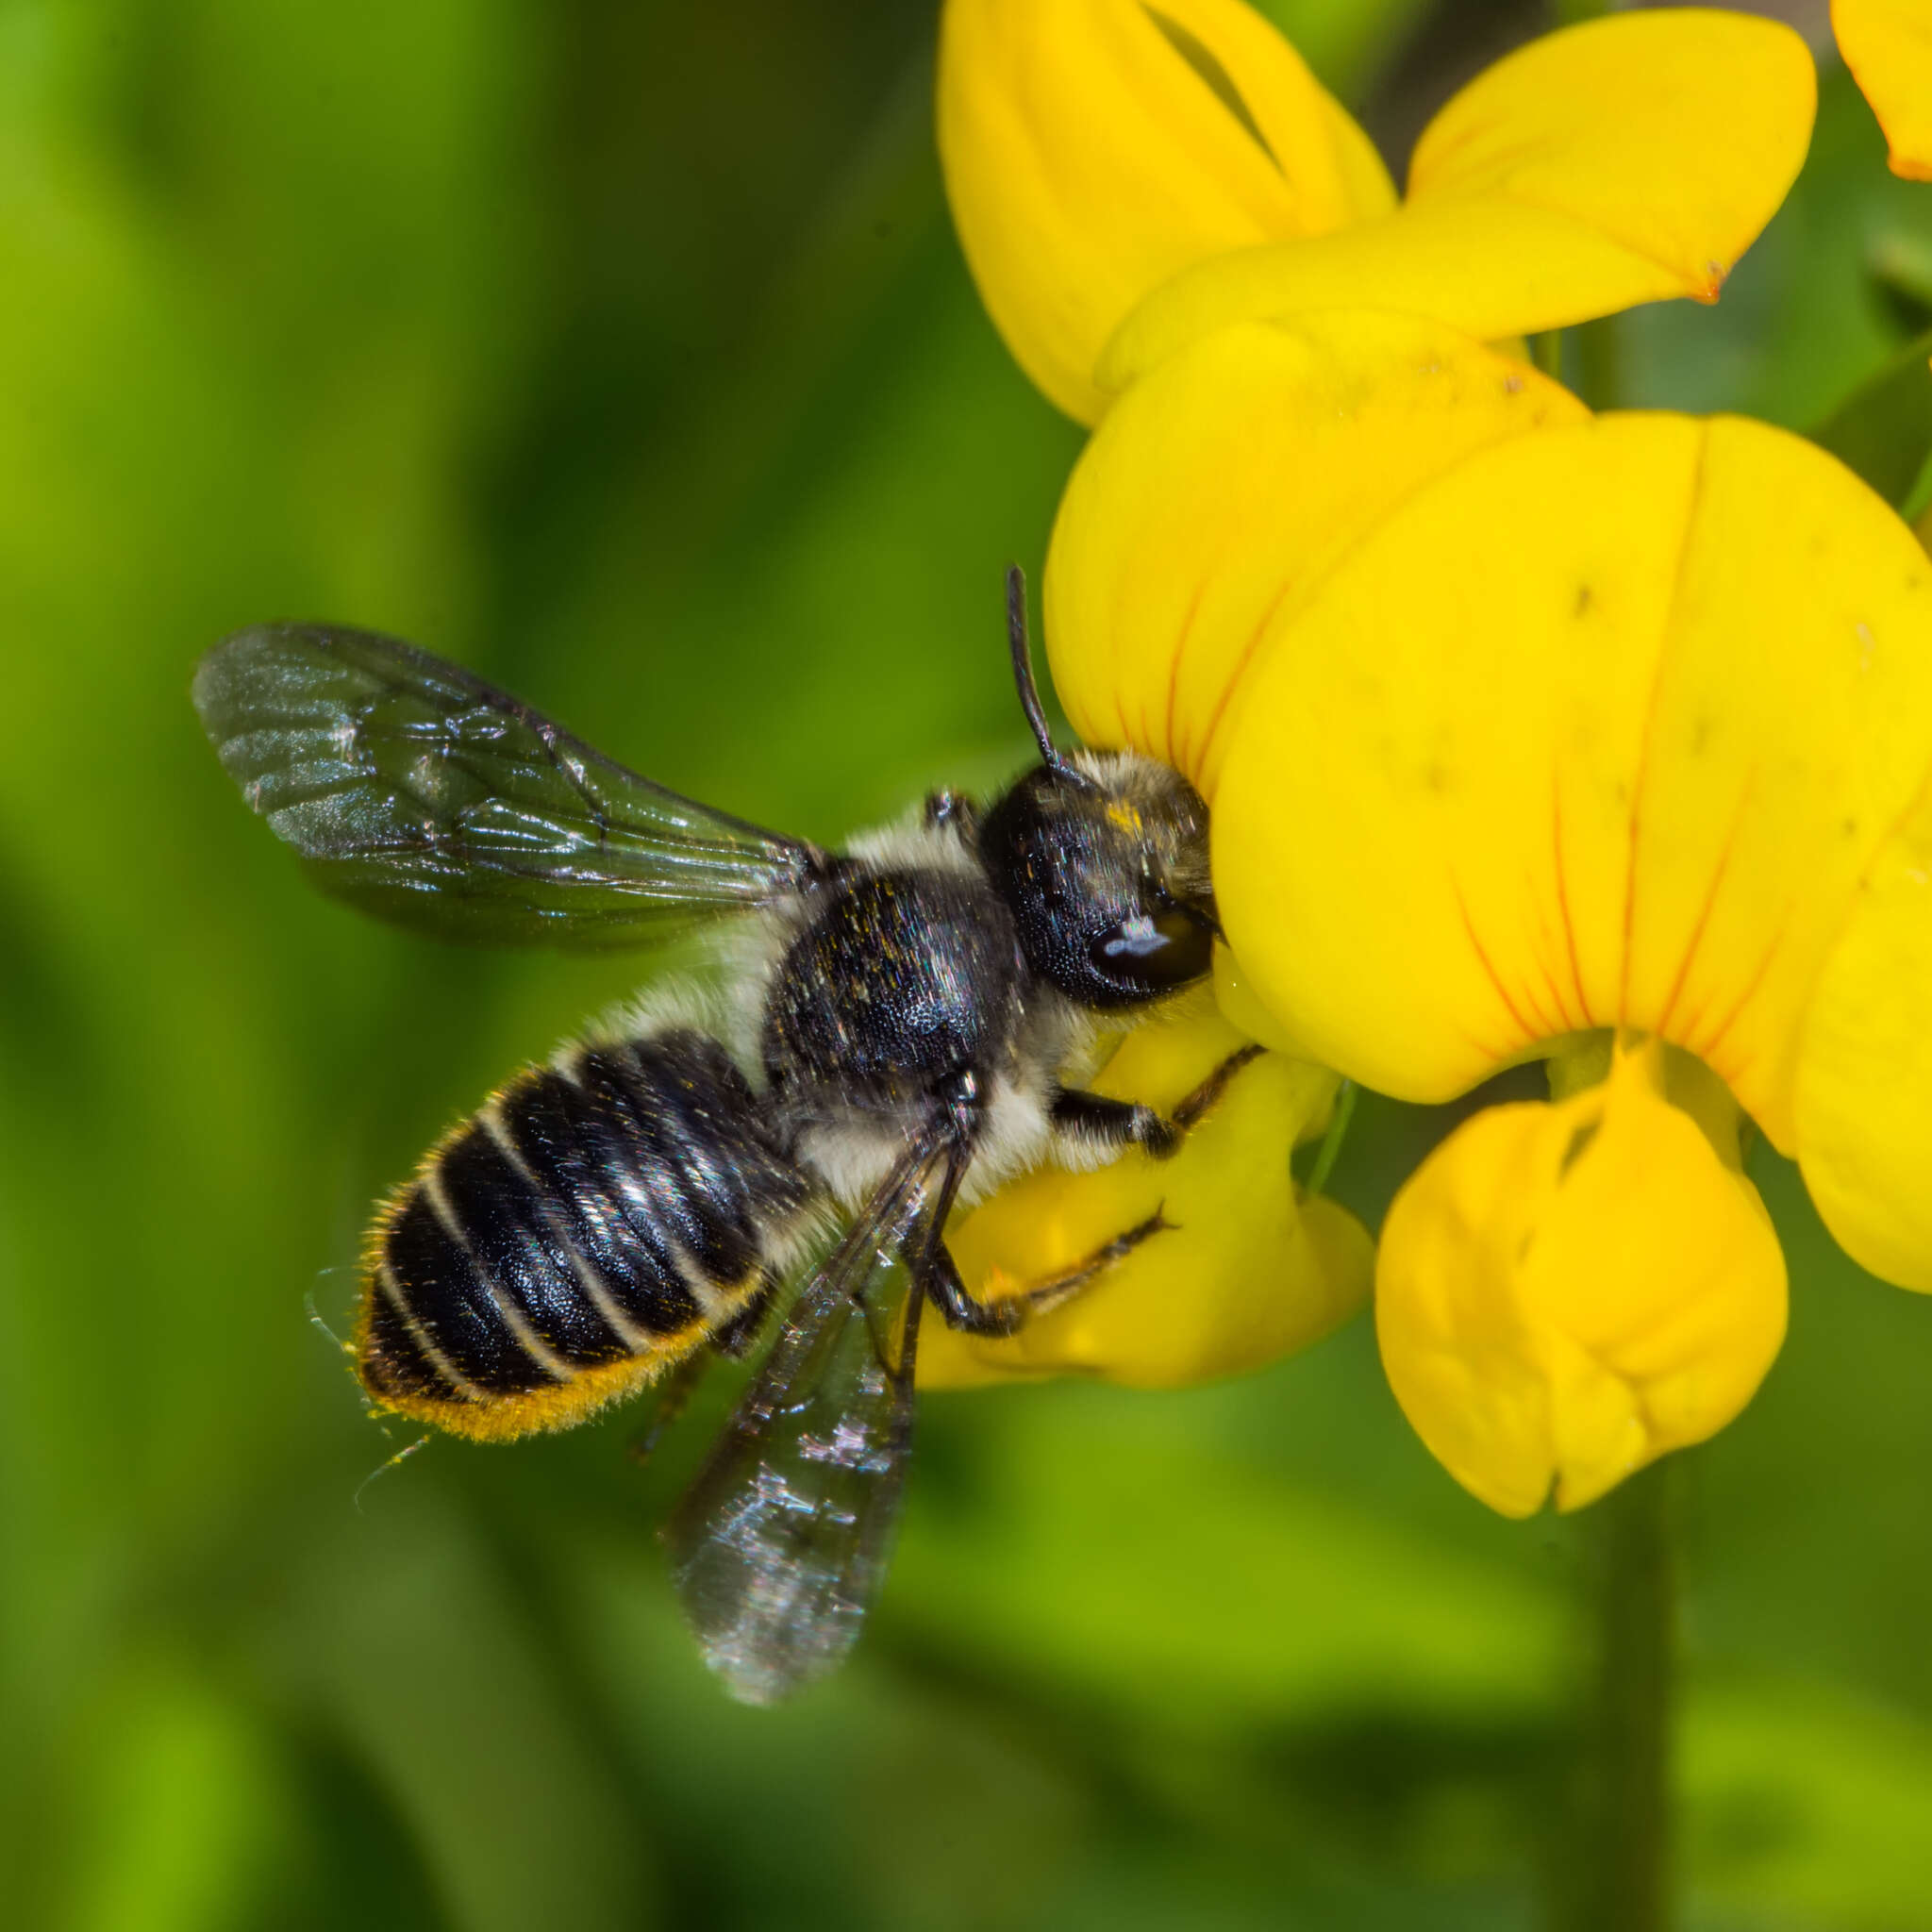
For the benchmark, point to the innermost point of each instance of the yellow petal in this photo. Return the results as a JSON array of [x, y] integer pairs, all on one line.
[[1217, 496], [1248, 1271], [1626, 160], [1604, 728], [1094, 147], [1565, 1292], [1865, 1070], [1887, 45], [1238, 1004]]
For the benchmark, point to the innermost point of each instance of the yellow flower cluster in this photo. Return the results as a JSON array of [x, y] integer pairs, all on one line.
[[1126, 177], [1529, 733]]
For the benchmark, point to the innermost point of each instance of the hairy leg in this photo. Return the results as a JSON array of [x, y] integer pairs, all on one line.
[[1098, 1121]]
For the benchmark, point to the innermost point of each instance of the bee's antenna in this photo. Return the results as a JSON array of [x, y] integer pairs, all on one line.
[[1023, 669]]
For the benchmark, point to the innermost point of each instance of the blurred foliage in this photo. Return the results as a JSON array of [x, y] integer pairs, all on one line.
[[625, 353], [1883, 429]]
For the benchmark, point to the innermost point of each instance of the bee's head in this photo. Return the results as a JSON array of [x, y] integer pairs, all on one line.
[[1103, 860], [1105, 865]]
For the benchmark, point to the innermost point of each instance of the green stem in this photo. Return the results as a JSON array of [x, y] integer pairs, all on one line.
[[1621, 1861], [1331, 1141]]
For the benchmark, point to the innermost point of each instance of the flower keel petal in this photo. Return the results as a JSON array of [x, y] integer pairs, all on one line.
[[1565, 1292]]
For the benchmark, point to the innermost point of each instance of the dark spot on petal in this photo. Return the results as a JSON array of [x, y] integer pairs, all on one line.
[[1579, 1143]]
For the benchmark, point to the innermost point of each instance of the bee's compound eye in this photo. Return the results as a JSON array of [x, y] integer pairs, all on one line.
[[1153, 951]]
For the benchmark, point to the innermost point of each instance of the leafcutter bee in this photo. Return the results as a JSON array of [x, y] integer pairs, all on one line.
[[893, 1030]]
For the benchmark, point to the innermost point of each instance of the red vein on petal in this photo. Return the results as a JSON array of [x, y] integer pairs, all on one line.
[[1564, 1023], [1545, 1026], [1563, 894], [1480, 1047], [1707, 1050], [1495, 980], [1544, 936], [1717, 879], [1240, 668], [1173, 671]]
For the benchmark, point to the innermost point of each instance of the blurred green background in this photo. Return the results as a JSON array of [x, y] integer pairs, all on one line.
[[623, 351]]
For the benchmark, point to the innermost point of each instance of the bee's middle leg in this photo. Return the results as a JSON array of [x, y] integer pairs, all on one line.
[[935, 1275], [940, 1280], [1099, 1121], [1062, 1287]]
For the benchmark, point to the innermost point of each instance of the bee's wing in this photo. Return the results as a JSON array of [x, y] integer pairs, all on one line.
[[418, 792], [780, 1544]]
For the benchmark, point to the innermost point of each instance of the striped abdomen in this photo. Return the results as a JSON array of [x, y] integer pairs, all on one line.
[[599, 1218]]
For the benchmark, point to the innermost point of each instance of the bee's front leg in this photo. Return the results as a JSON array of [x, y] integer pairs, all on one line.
[[1099, 1121]]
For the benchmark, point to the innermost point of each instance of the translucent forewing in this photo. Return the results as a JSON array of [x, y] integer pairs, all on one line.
[[421, 793], [779, 1546]]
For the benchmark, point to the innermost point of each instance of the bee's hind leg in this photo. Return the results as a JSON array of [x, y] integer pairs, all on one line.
[[1059, 1289], [734, 1339], [675, 1391]]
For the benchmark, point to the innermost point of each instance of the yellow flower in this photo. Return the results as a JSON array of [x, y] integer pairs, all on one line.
[[1349, 415], [1887, 45], [1126, 177], [1516, 742]]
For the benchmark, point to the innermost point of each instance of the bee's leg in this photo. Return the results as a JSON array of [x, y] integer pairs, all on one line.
[[1101, 1122], [674, 1397], [1210, 1089], [949, 1294], [951, 808], [1064, 1286], [935, 1275], [736, 1338], [1096, 1120]]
